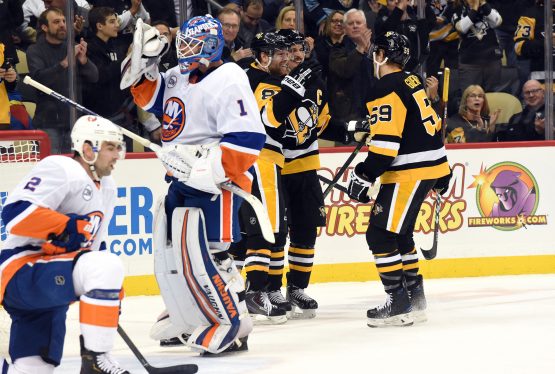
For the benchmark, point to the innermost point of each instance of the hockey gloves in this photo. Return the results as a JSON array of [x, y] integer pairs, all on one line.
[[359, 186], [442, 184], [360, 129], [301, 77], [76, 235]]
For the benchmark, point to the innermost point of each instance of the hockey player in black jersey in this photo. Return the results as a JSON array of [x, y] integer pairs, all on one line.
[[277, 92], [406, 152]]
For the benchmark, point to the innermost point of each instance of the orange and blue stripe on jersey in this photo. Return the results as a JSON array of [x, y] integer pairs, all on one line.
[[239, 152], [23, 218], [149, 95]]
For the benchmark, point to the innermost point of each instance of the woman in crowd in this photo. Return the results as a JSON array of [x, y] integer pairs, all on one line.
[[333, 34], [474, 123]]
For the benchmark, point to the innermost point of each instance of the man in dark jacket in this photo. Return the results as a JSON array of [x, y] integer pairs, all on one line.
[[48, 64]]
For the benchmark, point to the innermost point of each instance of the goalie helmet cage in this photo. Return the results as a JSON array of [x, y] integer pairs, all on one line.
[[18, 151]]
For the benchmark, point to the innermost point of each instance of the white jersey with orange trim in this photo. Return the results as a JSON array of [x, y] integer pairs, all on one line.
[[219, 106], [57, 184]]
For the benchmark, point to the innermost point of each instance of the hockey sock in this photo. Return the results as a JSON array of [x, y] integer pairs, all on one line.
[[301, 255], [275, 274], [257, 265], [390, 268], [410, 267]]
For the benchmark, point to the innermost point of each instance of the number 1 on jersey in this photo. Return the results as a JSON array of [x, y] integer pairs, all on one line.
[[242, 112]]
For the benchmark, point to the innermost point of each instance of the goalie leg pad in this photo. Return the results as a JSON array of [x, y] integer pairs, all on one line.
[[200, 292]]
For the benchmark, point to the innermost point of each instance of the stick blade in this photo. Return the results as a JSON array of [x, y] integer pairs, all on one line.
[[429, 254], [178, 369]]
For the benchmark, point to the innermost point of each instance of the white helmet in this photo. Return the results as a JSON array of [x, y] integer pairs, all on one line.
[[95, 130]]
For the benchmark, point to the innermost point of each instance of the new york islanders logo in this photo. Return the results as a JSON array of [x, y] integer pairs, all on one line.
[[507, 196], [173, 119]]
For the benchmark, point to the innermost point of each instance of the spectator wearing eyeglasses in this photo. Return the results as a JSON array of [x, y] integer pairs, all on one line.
[[252, 22], [530, 123], [474, 123], [233, 48], [333, 35]]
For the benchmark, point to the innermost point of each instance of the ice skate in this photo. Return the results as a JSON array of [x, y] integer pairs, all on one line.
[[262, 311], [276, 298], [303, 306], [418, 301], [395, 311], [98, 362]]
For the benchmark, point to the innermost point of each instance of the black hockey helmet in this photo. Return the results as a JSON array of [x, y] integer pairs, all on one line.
[[268, 42], [291, 36], [395, 46]]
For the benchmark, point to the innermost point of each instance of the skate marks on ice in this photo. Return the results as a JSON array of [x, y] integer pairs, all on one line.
[[493, 325]]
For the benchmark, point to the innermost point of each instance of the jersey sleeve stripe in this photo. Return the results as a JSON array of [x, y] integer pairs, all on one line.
[[236, 164], [410, 158], [147, 92], [383, 151], [14, 211], [247, 142], [39, 223]]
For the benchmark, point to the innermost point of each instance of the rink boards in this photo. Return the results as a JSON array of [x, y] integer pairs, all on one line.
[[478, 235]]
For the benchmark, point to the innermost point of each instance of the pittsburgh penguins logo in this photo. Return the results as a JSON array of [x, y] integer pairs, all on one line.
[[302, 121]]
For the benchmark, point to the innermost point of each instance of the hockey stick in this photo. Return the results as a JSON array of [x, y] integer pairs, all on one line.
[[337, 186], [262, 215], [431, 253], [343, 168], [176, 369]]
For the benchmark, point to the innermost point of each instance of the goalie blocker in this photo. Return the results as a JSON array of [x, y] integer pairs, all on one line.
[[204, 294]]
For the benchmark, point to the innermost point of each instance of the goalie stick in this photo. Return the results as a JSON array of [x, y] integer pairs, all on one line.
[[261, 214], [176, 369], [430, 254]]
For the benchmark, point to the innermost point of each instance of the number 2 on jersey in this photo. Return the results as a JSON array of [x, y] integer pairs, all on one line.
[[430, 119]]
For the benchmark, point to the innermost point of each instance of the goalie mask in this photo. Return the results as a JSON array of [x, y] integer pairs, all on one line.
[[200, 40], [396, 49], [95, 130]]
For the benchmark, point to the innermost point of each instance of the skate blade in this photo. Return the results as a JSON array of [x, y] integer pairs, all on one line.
[[400, 320], [419, 316], [298, 313], [233, 349], [260, 320]]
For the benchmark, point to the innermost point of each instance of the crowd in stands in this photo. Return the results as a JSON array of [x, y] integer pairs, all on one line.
[[490, 46]]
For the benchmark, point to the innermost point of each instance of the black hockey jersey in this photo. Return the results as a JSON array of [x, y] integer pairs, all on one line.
[[530, 36], [406, 138], [274, 106], [303, 126]]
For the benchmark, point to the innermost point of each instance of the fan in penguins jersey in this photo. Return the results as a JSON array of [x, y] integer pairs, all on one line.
[[211, 133], [406, 151], [278, 93], [57, 218]]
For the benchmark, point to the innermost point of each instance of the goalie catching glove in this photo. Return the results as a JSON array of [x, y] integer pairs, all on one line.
[[301, 77], [360, 188], [146, 51], [198, 166], [76, 235]]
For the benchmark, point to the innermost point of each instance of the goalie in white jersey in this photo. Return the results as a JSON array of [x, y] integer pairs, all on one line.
[[212, 127], [57, 218]]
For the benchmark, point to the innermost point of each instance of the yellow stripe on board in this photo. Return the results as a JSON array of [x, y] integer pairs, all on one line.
[[366, 271]]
